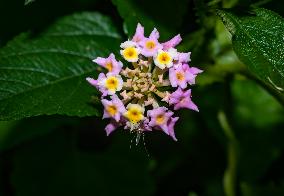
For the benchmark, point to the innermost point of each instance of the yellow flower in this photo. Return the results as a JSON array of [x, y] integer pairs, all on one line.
[[165, 59], [130, 54], [112, 83], [129, 51], [134, 113]]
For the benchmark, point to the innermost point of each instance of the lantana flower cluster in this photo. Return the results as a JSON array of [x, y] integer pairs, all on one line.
[[143, 95]]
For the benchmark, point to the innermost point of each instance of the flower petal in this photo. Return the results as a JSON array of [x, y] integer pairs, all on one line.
[[172, 42]]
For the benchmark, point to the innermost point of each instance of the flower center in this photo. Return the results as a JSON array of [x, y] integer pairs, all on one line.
[[112, 110], [134, 113], [109, 66], [180, 76], [112, 83], [160, 119], [150, 44], [139, 83], [130, 53], [164, 58], [182, 100]]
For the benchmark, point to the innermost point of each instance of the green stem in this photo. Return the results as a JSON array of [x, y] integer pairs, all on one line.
[[230, 175]]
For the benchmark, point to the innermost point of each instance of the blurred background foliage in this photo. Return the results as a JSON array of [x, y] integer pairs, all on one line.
[[58, 155]]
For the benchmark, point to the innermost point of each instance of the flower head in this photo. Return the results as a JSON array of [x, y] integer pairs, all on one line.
[[130, 51], [178, 77], [113, 125], [134, 113], [182, 99], [110, 84], [97, 84], [113, 108], [139, 34], [183, 57], [164, 59], [150, 46], [110, 63], [160, 117], [172, 42], [133, 96], [171, 124], [193, 73], [181, 75]]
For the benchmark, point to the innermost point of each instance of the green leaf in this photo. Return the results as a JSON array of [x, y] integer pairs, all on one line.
[[46, 75], [257, 39], [152, 14]]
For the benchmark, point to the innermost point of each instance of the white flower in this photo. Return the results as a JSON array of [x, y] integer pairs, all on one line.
[[165, 59], [112, 83]]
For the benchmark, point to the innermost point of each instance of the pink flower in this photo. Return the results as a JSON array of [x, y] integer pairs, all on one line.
[[159, 117], [107, 84], [146, 125], [182, 99], [139, 34], [92, 81], [150, 45], [192, 73], [110, 63], [171, 124], [172, 42], [96, 84], [179, 76], [184, 57], [113, 108], [113, 125]]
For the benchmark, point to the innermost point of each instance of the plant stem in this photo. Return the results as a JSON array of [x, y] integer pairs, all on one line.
[[230, 174]]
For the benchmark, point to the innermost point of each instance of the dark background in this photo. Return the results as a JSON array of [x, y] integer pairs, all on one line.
[[57, 155]]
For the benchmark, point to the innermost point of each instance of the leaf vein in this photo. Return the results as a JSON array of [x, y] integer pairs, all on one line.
[[30, 70]]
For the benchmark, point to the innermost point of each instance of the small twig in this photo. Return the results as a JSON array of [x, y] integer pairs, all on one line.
[[230, 175]]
